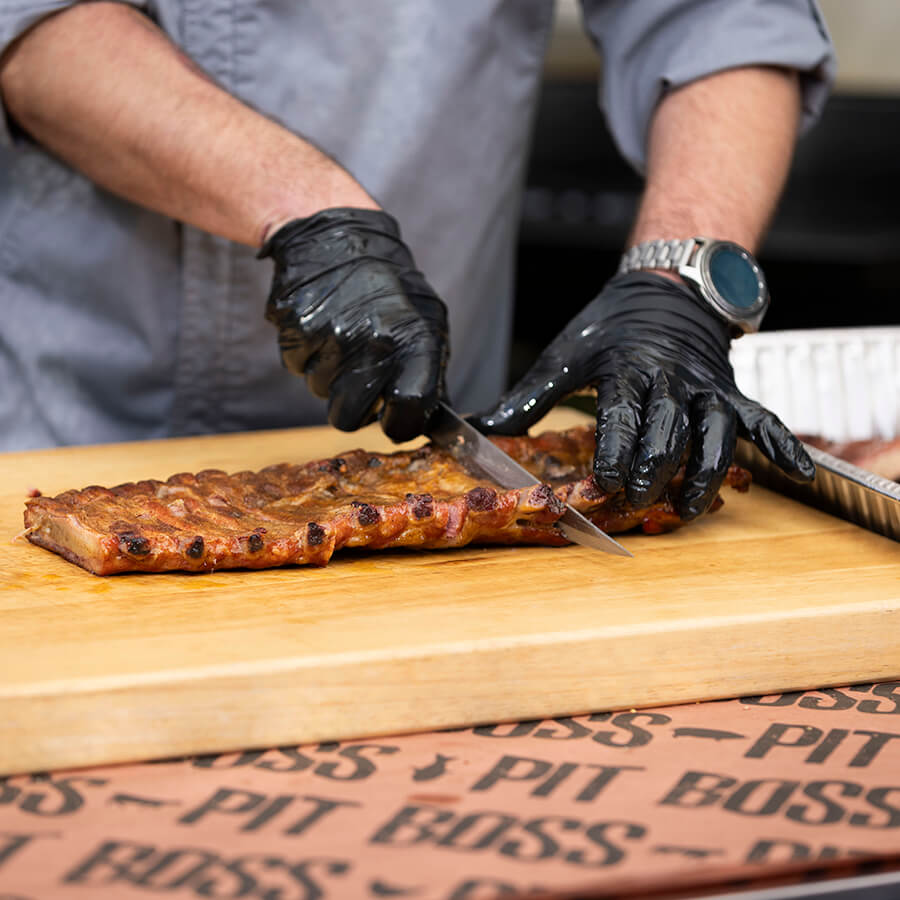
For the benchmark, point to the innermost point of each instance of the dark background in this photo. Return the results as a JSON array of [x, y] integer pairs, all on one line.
[[832, 256]]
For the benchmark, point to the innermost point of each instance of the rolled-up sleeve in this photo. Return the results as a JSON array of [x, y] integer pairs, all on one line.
[[16, 17], [652, 46]]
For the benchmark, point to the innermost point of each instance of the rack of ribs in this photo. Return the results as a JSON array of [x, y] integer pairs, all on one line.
[[301, 514]]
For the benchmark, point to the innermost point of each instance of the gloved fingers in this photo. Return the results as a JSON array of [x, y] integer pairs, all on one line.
[[295, 351], [664, 435], [774, 439], [415, 388], [619, 400], [713, 433], [355, 395], [549, 380], [323, 366]]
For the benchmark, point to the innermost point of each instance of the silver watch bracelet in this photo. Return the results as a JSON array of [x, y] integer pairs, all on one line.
[[658, 254]]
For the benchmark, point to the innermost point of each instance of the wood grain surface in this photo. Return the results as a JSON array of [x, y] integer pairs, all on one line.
[[765, 595]]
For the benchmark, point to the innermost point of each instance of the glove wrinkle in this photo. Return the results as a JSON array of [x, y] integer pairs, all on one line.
[[712, 447], [662, 442], [352, 407], [619, 405], [358, 320]]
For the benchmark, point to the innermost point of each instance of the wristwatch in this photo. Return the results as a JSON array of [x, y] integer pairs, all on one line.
[[722, 274]]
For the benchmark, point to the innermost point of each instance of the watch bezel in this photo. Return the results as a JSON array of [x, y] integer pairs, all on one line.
[[696, 270]]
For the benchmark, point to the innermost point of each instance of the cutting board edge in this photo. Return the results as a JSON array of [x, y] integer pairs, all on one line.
[[510, 683]]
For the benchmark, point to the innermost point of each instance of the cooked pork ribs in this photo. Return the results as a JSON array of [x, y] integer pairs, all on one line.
[[296, 514]]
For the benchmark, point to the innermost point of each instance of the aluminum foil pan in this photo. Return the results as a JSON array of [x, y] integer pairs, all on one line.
[[839, 384], [842, 489]]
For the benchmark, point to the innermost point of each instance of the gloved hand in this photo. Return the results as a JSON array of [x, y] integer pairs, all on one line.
[[659, 361], [357, 320]]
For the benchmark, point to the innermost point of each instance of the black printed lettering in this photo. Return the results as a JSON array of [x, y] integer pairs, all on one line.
[[226, 760], [360, 768], [872, 747], [547, 787], [819, 802], [204, 872], [836, 700], [570, 730], [637, 736], [877, 797], [519, 729], [529, 769], [543, 845], [780, 734], [760, 796], [486, 828], [175, 869], [285, 759], [229, 801], [831, 811], [483, 889], [60, 798], [696, 789], [600, 781], [43, 795], [269, 878], [352, 763], [8, 792], [829, 744], [241, 877], [305, 876], [268, 812], [322, 807], [111, 861], [778, 850], [890, 690], [786, 699], [235, 802], [11, 844], [411, 825], [611, 852], [513, 768], [540, 838]]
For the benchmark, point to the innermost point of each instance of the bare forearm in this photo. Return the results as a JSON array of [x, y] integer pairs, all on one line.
[[719, 152], [105, 90]]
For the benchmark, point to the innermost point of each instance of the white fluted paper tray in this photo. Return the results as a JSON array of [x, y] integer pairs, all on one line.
[[840, 384]]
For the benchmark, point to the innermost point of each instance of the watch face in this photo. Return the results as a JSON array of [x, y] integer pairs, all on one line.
[[735, 277]]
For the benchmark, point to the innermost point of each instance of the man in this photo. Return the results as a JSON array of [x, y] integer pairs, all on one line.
[[146, 167]]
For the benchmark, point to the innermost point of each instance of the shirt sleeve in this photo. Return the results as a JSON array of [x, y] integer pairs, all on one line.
[[653, 46], [16, 17]]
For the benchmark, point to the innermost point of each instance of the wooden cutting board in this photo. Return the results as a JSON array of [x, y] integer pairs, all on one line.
[[765, 595]]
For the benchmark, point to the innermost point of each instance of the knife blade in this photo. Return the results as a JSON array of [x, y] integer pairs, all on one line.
[[474, 451]]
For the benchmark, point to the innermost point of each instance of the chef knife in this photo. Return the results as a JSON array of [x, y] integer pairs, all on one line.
[[475, 452]]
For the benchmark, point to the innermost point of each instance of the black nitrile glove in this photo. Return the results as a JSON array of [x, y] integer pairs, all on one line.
[[659, 361], [358, 320]]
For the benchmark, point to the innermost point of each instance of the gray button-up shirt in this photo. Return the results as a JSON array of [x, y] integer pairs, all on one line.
[[119, 324]]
